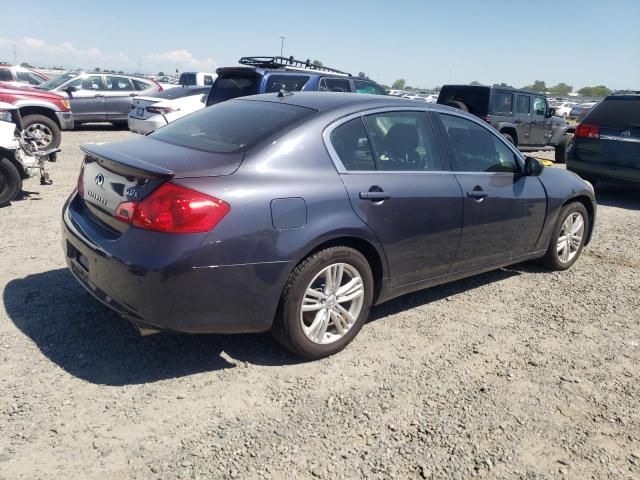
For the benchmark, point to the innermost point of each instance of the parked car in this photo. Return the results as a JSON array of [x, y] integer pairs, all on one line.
[[564, 108], [431, 98], [282, 212], [396, 93], [100, 97], [18, 76], [272, 74], [607, 142], [43, 114], [196, 78], [580, 109], [150, 113], [524, 118]]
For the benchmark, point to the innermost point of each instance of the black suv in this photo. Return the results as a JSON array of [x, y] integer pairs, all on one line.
[[607, 142], [274, 74], [524, 118]]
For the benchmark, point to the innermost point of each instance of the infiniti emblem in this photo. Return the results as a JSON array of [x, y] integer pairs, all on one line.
[[626, 133], [99, 179]]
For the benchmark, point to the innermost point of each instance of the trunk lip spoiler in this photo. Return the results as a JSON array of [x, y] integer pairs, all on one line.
[[125, 164]]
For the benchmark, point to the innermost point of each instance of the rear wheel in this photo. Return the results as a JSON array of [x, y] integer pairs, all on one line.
[[44, 131], [324, 303], [562, 148], [10, 181], [568, 237], [457, 104]]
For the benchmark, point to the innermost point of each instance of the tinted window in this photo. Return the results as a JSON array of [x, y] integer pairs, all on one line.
[[233, 86], [56, 82], [140, 85], [118, 83], [208, 80], [502, 102], [403, 141], [524, 104], [475, 98], [93, 82], [5, 75], [290, 83], [350, 142], [230, 126], [475, 149], [29, 77], [334, 85], [368, 87], [188, 79], [539, 106], [180, 92], [614, 112]]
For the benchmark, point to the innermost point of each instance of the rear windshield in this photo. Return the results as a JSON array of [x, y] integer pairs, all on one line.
[[231, 126], [233, 86], [475, 98], [180, 92], [615, 113], [188, 79]]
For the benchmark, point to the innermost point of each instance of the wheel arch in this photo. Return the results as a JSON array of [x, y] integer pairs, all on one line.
[[37, 110], [588, 205], [8, 154], [510, 130]]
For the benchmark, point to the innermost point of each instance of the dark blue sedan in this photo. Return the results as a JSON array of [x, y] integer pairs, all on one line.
[[296, 213]]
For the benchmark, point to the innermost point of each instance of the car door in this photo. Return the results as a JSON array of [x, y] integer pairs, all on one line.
[[87, 101], [118, 94], [504, 210], [398, 185], [540, 123], [523, 118]]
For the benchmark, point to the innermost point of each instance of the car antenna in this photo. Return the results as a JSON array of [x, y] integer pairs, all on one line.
[[284, 93]]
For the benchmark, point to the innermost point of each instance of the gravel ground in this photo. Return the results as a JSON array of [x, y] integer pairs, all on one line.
[[517, 373]]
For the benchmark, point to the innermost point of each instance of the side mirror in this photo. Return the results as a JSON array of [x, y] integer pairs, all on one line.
[[203, 98], [532, 167], [550, 112], [70, 91]]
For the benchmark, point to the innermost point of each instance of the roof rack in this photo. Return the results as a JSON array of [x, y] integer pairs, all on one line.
[[284, 62]]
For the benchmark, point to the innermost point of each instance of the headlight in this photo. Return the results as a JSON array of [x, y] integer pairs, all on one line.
[[65, 104]]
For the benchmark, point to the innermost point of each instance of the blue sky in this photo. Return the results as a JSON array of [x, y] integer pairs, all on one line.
[[580, 42]]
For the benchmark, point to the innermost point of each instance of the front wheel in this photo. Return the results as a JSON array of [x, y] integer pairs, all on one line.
[[324, 303], [10, 182], [568, 237], [44, 131]]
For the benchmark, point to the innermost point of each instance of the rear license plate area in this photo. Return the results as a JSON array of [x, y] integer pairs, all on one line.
[[74, 254]]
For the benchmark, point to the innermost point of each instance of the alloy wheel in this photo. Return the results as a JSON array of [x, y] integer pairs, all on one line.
[[41, 134], [332, 303], [570, 237]]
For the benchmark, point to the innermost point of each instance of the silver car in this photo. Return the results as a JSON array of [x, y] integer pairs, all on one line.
[[100, 97]]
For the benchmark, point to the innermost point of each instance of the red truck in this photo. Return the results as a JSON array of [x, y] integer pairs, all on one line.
[[44, 114]]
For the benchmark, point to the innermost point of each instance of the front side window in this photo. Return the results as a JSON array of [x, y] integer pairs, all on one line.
[[524, 104], [368, 87], [29, 77], [476, 149], [539, 106], [289, 83], [334, 85], [502, 102], [403, 141], [351, 143]]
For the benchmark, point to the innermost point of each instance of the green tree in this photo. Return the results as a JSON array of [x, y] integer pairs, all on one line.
[[317, 63], [362, 75], [598, 91], [537, 86], [504, 85], [25, 65], [97, 69], [475, 82], [161, 74], [399, 84], [561, 89], [120, 72]]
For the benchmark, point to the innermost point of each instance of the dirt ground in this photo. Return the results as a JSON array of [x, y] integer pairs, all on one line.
[[517, 373]]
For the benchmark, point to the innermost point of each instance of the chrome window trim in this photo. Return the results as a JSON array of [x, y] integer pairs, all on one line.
[[620, 139]]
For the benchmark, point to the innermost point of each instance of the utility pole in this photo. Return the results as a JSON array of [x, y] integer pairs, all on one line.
[[140, 65], [15, 54], [450, 73], [282, 37]]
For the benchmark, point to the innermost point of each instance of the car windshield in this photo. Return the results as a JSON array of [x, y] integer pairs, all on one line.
[[231, 126], [56, 82]]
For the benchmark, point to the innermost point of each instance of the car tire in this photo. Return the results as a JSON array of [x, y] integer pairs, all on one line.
[[46, 130], [457, 104], [562, 257], [562, 148], [10, 182], [509, 138], [314, 333]]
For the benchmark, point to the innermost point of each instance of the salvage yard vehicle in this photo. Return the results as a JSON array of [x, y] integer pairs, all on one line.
[[524, 118], [296, 212], [98, 97], [272, 74], [43, 114], [19, 76], [607, 142], [148, 113], [20, 157]]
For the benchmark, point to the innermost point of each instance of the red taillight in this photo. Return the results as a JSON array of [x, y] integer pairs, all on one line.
[[174, 209], [161, 110], [80, 185], [587, 131]]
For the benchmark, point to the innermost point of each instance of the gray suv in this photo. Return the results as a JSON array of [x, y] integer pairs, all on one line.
[[100, 97], [524, 118]]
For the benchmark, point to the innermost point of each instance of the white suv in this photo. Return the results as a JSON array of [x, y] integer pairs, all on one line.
[[18, 76]]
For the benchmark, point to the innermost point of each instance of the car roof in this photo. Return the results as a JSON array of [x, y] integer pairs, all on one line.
[[497, 87]]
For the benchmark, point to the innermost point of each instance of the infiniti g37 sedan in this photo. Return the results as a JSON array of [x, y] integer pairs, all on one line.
[[296, 213]]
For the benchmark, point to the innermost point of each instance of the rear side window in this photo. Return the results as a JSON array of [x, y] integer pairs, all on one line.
[[475, 149], [231, 126], [140, 85], [351, 143], [524, 104], [622, 113], [403, 141], [118, 84], [368, 87], [334, 85], [233, 86], [290, 83], [5, 75], [476, 99], [502, 103]]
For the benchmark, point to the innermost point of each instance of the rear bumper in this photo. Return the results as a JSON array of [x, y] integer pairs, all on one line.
[[166, 290], [144, 126], [65, 119], [603, 171]]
